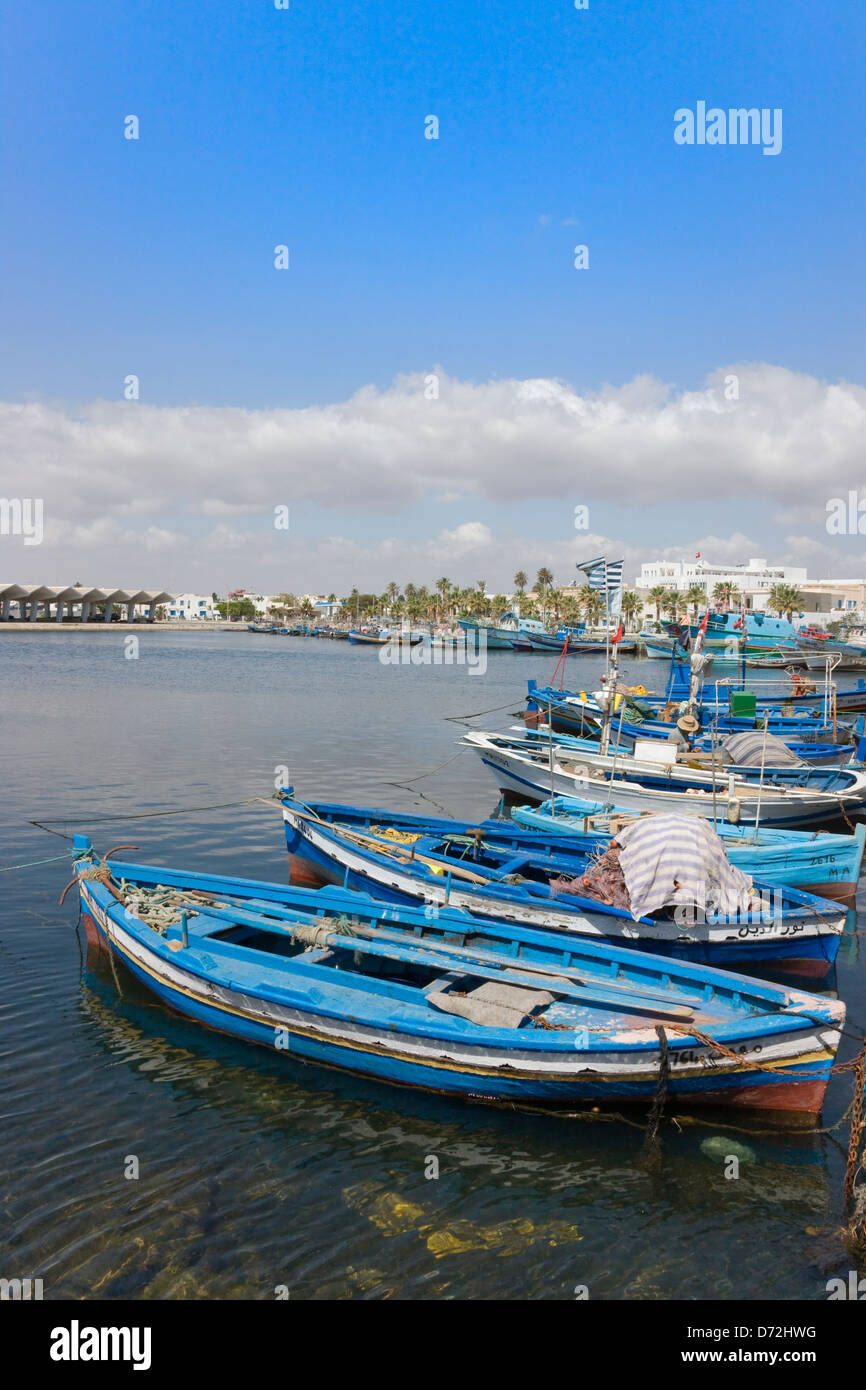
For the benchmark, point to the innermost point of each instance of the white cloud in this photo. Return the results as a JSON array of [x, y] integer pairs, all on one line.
[[787, 434], [136, 483]]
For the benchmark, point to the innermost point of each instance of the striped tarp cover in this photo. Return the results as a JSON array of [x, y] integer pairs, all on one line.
[[671, 860], [747, 748]]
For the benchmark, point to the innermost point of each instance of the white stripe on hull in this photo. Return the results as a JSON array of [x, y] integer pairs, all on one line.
[[787, 1049], [598, 926], [520, 774]]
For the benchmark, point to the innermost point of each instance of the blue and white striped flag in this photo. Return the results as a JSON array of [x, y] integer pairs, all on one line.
[[605, 577]]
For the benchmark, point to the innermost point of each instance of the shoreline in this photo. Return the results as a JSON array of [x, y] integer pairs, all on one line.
[[123, 627]]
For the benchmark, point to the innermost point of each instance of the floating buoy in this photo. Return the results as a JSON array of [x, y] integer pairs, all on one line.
[[720, 1148]]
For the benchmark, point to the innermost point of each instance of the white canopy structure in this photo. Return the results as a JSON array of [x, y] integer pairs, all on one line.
[[89, 605]]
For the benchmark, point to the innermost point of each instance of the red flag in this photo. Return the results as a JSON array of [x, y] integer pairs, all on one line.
[[698, 555], [703, 626], [617, 637]]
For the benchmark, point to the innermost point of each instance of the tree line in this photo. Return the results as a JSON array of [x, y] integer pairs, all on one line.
[[446, 602]]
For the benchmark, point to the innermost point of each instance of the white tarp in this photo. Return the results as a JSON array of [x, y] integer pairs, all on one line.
[[672, 860]]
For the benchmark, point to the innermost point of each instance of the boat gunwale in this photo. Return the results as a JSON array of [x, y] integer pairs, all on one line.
[[787, 1016]]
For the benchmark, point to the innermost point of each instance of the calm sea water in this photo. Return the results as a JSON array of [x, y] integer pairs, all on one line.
[[255, 1171]]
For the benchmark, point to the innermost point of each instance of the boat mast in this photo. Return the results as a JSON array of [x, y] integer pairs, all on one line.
[[609, 681]]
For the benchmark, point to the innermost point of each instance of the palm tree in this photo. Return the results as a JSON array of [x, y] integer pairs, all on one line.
[[571, 611], [657, 595], [464, 601], [480, 602], [543, 581], [785, 598], [672, 603], [443, 589], [592, 603], [696, 596], [631, 606], [520, 583], [423, 595], [416, 608], [722, 594]]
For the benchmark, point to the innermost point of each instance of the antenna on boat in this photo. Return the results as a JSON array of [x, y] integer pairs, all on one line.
[[761, 778], [550, 751]]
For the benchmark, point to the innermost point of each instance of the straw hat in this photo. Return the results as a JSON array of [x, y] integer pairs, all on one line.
[[688, 724]]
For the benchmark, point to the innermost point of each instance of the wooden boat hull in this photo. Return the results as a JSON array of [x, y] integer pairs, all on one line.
[[471, 1075], [579, 721], [493, 638], [804, 943], [777, 1060], [517, 773], [570, 711], [825, 865]]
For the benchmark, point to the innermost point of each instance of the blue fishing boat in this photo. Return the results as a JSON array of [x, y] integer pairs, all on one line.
[[450, 1004], [493, 637], [573, 711], [737, 755], [533, 631], [771, 749], [754, 631], [816, 862], [381, 637], [721, 697], [658, 778], [501, 873]]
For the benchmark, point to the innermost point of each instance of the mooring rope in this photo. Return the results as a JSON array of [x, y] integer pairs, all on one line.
[[854, 1161], [409, 780], [9, 868], [848, 822], [140, 815], [655, 1114], [460, 718]]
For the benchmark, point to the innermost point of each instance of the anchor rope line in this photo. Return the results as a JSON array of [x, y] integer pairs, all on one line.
[[9, 868], [409, 780], [655, 1114], [459, 718], [140, 815], [854, 1162]]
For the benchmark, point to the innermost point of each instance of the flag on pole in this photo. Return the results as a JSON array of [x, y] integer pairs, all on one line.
[[605, 579], [617, 636]]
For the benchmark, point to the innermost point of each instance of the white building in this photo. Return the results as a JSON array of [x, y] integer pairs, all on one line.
[[189, 606], [753, 580]]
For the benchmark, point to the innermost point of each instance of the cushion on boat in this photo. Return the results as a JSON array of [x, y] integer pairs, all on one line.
[[492, 1004]]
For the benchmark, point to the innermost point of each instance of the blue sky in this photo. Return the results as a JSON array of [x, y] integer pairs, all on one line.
[[306, 127]]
